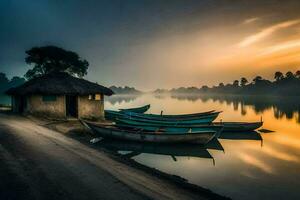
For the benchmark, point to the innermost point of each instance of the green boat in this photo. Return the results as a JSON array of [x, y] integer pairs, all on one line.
[[172, 117], [141, 109], [136, 120], [167, 128], [227, 126], [112, 114]]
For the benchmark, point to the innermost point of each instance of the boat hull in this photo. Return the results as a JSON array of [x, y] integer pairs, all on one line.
[[168, 128], [186, 117], [142, 109], [142, 136], [204, 117], [194, 121], [112, 115], [227, 126], [240, 126]]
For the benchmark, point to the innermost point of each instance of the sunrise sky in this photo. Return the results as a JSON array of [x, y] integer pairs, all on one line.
[[152, 44]]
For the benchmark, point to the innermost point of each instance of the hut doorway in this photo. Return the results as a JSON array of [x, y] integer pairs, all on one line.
[[21, 104], [71, 106]]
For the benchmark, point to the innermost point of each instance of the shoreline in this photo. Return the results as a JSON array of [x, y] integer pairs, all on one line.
[[178, 181]]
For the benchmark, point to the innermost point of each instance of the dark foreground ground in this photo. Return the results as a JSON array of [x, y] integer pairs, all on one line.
[[39, 163]]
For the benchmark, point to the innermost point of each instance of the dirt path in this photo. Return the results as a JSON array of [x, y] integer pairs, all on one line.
[[38, 163]]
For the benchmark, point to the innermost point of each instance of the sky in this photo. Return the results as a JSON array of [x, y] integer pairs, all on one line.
[[153, 44]]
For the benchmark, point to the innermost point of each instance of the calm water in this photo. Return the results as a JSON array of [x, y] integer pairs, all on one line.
[[242, 166]]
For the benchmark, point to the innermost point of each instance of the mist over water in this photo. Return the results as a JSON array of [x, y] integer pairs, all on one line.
[[242, 165]]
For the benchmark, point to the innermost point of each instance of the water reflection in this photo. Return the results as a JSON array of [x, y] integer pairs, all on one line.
[[252, 135], [119, 99], [214, 145], [288, 107], [133, 149], [246, 169]]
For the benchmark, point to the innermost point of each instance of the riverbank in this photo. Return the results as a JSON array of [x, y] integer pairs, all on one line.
[[44, 163]]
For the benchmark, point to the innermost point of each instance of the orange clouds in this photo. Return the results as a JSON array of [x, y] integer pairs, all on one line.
[[266, 32]]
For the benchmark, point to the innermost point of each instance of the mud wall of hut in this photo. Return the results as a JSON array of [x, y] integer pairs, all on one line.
[[36, 105], [92, 109]]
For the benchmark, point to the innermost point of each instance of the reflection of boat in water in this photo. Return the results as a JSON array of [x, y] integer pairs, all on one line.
[[214, 144], [136, 148], [251, 135]]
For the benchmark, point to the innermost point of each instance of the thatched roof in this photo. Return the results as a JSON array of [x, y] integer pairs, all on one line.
[[58, 84]]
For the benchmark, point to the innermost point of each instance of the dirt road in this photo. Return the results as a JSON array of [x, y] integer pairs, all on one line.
[[38, 163]]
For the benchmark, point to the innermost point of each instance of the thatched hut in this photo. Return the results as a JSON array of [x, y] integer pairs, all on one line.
[[60, 95]]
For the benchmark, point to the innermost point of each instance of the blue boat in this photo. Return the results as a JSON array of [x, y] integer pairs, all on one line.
[[141, 109], [168, 128], [227, 126], [204, 117], [162, 117], [112, 115], [137, 119]]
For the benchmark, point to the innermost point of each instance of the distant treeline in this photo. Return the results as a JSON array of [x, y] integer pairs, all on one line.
[[5, 83], [283, 84], [124, 90]]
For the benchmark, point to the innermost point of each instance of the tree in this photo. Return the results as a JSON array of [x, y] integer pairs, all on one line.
[[204, 88], [16, 81], [52, 59], [243, 81], [257, 79], [289, 75], [221, 85], [236, 83], [297, 74], [3, 82], [3, 79], [278, 76]]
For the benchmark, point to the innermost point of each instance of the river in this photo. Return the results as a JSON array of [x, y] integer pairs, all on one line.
[[241, 166]]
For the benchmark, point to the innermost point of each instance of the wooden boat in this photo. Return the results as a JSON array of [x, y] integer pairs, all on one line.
[[228, 126], [141, 109], [136, 148], [172, 117], [167, 128], [205, 119], [239, 126], [112, 115], [140, 135]]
